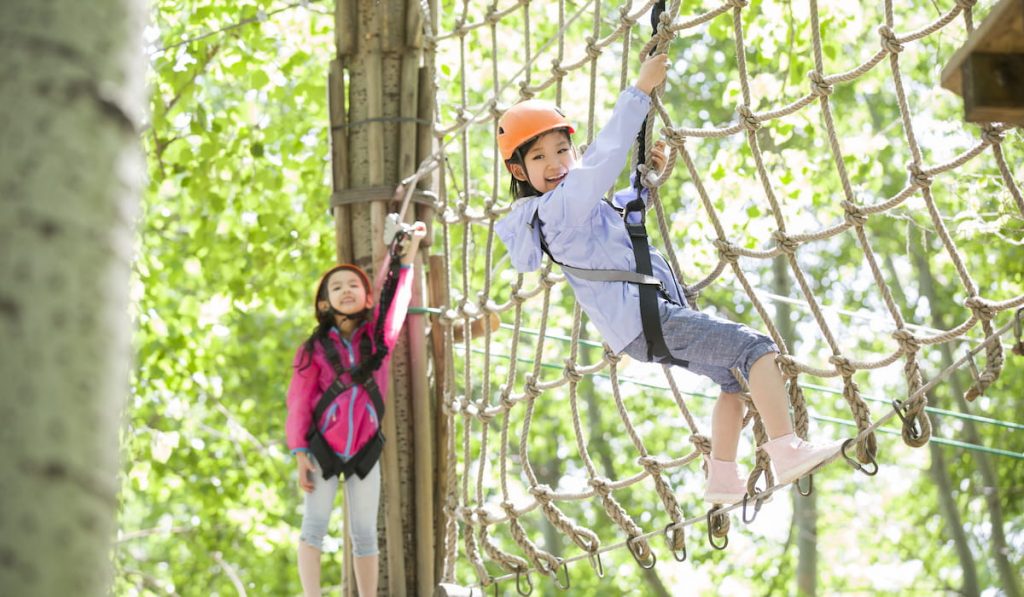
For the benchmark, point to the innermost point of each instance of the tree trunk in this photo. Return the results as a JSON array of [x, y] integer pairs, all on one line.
[[805, 508], [71, 173], [939, 470], [375, 88], [1008, 576]]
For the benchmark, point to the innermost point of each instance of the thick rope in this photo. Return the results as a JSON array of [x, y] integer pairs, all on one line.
[[474, 410]]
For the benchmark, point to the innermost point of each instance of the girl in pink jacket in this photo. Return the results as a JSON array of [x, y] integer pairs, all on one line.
[[340, 376]]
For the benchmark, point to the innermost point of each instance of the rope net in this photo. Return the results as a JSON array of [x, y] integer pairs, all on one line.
[[729, 184]]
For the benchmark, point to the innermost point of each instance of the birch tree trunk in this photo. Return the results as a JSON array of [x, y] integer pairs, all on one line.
[[71, 88]]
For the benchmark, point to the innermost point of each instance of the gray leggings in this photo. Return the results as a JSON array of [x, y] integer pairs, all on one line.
[[712, 345], [362, 498]]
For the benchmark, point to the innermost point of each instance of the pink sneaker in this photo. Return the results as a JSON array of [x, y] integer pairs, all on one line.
[[725, 484], [794, 458]]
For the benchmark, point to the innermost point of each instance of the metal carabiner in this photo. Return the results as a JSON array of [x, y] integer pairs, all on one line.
[[675, 531], [630, 543], [712, 526], [856, 464]]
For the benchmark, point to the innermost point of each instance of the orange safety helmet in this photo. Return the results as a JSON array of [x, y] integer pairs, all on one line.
[[323, 280], [526, 120]]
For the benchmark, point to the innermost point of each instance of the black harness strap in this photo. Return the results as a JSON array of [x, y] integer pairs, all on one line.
[[372, 353], [337, 387]]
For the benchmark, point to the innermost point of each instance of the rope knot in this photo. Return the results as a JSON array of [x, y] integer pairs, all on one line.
[[524, 90], [966, 4], [728, 251], [918, 178], [492, 18], [506, 398], [557, 70], [624, 17], [543, 493], [981, 308], [991, 134], [651, 464], [843, 365], [530, 387], [593, 51], [601, 485], [787, 364], [571, 372], [908, 342], [889, 41], [702, 443], [736, 3], [673, 137], [784, 242], [610, 356], [748, 119], [855, 216], [819, 86], [509, 508]]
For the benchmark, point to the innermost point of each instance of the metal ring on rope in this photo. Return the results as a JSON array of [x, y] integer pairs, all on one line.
[[671, 538], [631, 544], [520, 574], [712, 526], [595, 556], [909, 423], [565, 568], [857, 465], [810, 485], [757, 508]]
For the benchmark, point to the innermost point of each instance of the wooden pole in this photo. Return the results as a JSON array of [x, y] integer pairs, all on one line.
[[377, 111]]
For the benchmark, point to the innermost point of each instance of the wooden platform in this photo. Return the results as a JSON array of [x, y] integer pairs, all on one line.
[[988, 71]]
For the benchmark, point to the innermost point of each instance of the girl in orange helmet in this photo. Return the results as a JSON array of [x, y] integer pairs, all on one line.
[[335, 400], [625, 286]]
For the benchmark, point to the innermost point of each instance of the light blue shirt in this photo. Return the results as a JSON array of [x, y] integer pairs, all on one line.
[[582, 230]]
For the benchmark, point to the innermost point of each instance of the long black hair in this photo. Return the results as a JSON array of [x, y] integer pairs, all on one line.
[[523, 188]]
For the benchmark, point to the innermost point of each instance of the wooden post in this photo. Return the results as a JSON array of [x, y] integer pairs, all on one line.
[[375, 105], [438, 293], [988, 71]]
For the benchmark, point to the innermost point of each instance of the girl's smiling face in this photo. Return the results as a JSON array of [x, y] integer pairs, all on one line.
[[346, 293], [547, 161]]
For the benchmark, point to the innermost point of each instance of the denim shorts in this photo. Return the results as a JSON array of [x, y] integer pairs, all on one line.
[[712, 346]]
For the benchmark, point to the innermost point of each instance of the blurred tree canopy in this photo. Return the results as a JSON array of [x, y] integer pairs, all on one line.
[[235, 228]]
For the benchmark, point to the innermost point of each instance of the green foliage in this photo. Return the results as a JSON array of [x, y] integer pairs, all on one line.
[[234, 231]]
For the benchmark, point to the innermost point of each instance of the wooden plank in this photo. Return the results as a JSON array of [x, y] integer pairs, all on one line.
[[345, 27], [339, 158], [1002, 32], [438, 296]]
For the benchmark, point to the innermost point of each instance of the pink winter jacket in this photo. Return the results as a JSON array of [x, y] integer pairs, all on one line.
[[350, 421]]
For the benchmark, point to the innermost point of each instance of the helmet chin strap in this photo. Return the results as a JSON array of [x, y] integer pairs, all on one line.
[[346, 316]]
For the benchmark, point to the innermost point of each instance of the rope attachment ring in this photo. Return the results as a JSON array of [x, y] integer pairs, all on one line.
[[871, 472], [718, 526], [641, 552], [520, 574], [675, 535]]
